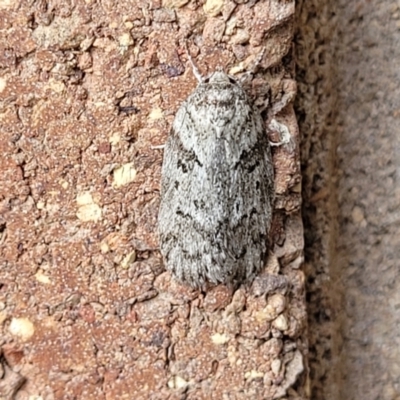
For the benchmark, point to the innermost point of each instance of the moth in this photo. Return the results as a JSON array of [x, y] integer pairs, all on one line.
[[217, 186]]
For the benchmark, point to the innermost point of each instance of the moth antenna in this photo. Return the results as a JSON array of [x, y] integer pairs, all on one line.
[[257, 61], [253, 68], [196, 71]]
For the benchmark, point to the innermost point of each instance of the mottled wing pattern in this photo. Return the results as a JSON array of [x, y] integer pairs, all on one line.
[[217, 188]]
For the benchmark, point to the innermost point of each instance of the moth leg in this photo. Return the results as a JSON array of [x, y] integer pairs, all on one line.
[[284, 134]]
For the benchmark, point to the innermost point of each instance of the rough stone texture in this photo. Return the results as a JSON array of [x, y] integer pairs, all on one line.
[[86, 309]]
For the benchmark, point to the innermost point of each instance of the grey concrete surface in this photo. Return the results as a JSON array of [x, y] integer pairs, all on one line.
[[348, 107], [368, 245]]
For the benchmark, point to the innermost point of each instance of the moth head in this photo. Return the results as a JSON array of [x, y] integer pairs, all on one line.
[[219, 76]]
